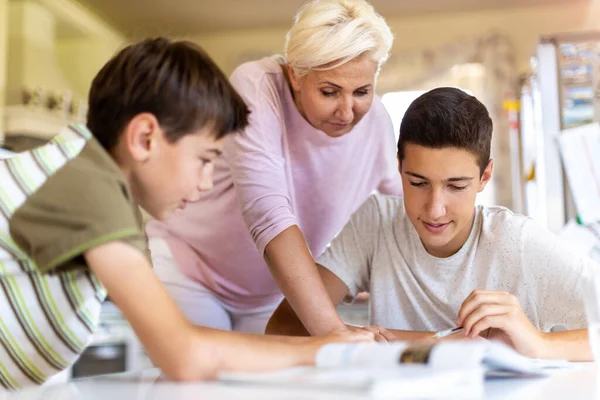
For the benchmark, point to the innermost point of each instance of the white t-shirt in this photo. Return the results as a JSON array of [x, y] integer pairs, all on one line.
[[379, 251]]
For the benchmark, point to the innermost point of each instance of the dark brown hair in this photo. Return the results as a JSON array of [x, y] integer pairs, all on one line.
[[177, 82], [448, 117]]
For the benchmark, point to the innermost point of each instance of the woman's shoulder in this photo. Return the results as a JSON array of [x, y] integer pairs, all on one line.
[[258, 74]]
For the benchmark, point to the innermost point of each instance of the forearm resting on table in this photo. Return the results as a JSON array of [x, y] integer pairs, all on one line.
[[411, 335], [285, 322], [573, 345], [251, 352], [183, 351], [296, 274]]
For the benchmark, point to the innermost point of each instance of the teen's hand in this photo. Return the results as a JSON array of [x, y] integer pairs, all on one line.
[[380, 333], [498, 316]]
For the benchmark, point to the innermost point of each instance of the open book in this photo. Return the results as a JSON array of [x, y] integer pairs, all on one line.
[[493, 357], [403, 369]]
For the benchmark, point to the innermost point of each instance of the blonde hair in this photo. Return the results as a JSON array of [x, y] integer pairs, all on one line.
[[329, 33]]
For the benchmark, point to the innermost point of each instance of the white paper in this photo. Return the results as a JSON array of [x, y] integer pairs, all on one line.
[[580, 151]]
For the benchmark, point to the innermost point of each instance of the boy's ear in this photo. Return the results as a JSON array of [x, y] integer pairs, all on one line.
[[141, 135], [487, 175]]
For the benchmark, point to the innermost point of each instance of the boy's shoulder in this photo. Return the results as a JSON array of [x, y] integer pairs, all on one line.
[[499, 219], [63, 196], [25, 173], [500, 225], [72, 166]]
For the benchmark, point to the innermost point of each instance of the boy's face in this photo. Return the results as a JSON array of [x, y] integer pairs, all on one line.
[[169, 175], [440, 187]]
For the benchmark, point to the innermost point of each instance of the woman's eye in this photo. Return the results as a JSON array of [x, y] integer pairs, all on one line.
[[361, 92], [327, 93]]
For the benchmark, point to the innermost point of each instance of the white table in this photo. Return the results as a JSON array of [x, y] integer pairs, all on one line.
[[580, 383]]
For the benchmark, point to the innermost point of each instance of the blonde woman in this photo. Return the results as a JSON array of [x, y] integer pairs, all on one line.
[[318, 143]]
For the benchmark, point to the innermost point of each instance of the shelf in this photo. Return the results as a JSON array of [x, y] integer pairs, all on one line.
[[31, 122]]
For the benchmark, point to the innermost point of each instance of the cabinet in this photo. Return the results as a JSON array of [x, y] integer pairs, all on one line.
[[50, 51]]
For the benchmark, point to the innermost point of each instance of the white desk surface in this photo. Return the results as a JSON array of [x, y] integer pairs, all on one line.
[[580, 383]]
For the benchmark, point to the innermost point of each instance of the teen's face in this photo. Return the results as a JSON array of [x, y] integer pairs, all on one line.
[[334, 101], [440, 187], [176, 173]]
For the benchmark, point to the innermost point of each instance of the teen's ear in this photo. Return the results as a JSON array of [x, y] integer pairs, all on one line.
[[294, 80], [487, 175], [141, 135]]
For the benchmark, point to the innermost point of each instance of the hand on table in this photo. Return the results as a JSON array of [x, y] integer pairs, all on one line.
[[380, 334]]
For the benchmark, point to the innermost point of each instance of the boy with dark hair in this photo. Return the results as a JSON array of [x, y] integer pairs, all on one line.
[[433, 260], [71, 232]]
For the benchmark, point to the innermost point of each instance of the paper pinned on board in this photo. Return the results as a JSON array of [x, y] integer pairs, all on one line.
[[580, 151]]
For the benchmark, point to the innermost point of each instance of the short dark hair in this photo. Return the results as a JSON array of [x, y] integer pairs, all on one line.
[[176, 81], [448, 117]]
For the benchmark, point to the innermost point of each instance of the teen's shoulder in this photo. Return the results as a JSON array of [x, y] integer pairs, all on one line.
[[502, 219]]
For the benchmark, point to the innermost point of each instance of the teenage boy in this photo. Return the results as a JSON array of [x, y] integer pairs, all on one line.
[[432, 260]]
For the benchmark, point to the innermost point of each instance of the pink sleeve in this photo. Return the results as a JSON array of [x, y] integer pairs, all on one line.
[[391, 182], [257, 164]]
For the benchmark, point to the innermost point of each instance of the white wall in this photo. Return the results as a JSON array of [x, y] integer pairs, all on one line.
[[3, 59], [80, 59], [521, 25]]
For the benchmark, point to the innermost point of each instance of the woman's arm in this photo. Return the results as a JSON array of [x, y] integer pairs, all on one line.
[[296, 274], [258, 158]]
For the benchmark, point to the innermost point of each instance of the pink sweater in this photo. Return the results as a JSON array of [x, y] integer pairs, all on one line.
[[286, 173]]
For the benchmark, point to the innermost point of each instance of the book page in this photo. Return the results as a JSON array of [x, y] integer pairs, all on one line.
[[440, 355]]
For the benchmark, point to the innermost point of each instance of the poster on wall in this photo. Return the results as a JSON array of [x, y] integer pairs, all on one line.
[[578, 106], [577, 73], [577, 53]]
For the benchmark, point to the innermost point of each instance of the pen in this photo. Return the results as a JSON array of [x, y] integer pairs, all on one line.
[[447, 332]]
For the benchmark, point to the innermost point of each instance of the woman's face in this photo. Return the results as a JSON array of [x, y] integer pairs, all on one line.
[[334, 101]]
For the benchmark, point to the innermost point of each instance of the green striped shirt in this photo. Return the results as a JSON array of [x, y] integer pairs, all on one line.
[[56, 202]]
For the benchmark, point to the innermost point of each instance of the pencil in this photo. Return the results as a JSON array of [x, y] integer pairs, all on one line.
[[447, 332]]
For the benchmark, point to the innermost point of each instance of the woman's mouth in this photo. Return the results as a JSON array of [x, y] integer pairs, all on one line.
[[340, 126]]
